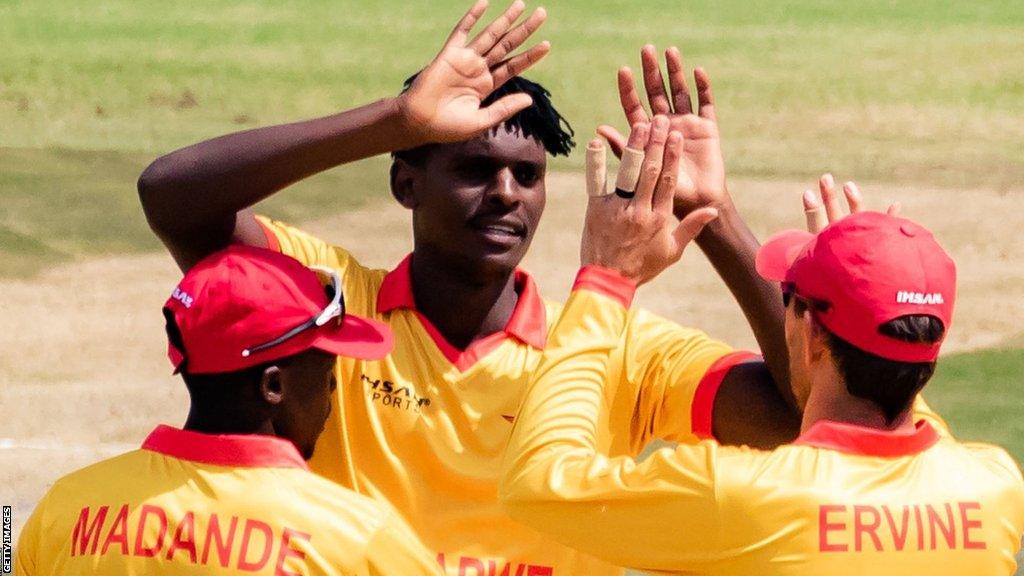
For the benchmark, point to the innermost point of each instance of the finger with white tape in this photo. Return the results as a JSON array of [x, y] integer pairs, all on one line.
[[597, 169], [814, 211], [629, 170]]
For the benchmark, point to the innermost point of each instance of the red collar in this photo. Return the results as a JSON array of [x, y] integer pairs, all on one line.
[[237, 450], [527, 324], [869, 441]]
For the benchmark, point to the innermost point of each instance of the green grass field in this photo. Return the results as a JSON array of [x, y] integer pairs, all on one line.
[[905, 93], [908, 92]]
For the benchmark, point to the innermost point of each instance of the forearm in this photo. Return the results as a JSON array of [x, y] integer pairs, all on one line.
[[731, 247], [557, 481], [206, 184]]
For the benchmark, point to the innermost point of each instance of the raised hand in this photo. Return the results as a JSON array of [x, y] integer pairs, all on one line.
[[702, 156], [825, 208], [639, 236], [444, 102]]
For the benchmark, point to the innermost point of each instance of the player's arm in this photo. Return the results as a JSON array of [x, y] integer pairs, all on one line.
[[395, 550], [554, 479], [753, 404], [195, 199]]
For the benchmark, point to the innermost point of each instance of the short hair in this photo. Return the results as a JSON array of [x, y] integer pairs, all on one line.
[[540, 120], [892, 385]]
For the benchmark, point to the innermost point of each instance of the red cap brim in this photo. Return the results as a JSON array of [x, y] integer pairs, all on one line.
[[355, 337], [779, 252]]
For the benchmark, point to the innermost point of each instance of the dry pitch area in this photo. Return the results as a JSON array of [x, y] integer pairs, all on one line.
[[84, 374]]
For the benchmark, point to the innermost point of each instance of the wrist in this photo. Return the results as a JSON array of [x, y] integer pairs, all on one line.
[[723, 226], [722, 202], [408, 124]]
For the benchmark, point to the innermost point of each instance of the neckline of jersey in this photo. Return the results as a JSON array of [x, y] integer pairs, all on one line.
[[230, 450], [528, 322], [864, 441]]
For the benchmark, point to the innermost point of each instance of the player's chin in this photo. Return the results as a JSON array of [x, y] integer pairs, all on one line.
[[504, 256]]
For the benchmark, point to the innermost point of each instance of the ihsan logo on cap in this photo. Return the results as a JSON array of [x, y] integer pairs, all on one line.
[[906, 297], [183, 297]]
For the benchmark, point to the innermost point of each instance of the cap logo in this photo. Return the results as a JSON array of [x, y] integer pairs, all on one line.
[[183, 297], [907, 297]]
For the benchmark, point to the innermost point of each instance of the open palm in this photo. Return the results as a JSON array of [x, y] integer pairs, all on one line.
[[445, 102], [703, 180]]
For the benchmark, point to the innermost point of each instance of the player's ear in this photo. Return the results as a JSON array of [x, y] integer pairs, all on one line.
[[272, 386], [815, 344], [403, 182]]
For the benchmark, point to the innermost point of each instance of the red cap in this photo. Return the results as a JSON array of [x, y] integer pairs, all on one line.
[[241, 297], [871, 268]]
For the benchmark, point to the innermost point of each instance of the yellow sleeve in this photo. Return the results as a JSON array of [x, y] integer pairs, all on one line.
[[25, 563], [359, 283], [396, 551], [296, 243], [673, 373], [616, 509]]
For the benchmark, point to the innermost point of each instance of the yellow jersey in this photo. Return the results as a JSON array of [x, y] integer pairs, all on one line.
[[426, 427], [841, 500], [191, 503]]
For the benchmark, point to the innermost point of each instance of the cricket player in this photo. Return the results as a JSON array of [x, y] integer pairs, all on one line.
[[254, 336], [425, 428], [864, 489]]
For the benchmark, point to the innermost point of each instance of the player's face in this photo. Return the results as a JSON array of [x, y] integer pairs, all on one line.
[[308, 383], [478, 203]]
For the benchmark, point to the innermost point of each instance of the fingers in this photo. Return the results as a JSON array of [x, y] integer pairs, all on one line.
[[616, 141], [664, 191], [677, 81], [503, 109], [853, 197], [639, 135], [828, 210], [630, 100], [490, 35], [691, 226], [597, 172], [894, 209], [461, 31], [826, 185], [519, 63], [705, 99], [650, 170], [653, 82], [632, 158], [814, 212], [515, 38]]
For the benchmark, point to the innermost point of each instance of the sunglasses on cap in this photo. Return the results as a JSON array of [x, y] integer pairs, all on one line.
[[789, 293], [334, 309]]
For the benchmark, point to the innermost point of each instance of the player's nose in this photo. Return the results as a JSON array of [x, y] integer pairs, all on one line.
[[505, 189]]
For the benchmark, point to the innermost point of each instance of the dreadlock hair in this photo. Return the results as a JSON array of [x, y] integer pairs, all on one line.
[[540, 121], [890, 384]]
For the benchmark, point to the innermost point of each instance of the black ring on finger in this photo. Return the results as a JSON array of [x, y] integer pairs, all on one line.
[[623, 194]]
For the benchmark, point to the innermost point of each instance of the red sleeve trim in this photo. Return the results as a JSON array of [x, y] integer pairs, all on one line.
[[703, 407], [606, 282], [272, 242]]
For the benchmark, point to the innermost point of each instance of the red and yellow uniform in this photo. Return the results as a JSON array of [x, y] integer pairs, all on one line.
[[190, 503], [840, 500], [426, 427]]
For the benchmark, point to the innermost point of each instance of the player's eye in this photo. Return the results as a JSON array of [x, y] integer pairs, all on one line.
[[476, 172], [526, 174]]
